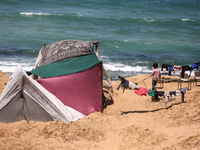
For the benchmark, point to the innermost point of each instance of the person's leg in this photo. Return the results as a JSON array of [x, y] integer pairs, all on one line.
[[154, 82]]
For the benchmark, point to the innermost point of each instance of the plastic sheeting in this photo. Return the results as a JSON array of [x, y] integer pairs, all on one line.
[[68, 66], [25, 99], [65, 49], [81, 91]]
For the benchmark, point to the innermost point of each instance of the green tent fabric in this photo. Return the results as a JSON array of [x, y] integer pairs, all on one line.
[[66, 67]]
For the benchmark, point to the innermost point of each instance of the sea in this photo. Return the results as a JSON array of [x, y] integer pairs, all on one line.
[[132, 34]]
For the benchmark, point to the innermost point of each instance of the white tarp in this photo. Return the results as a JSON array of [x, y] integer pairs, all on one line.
[[25, 98]]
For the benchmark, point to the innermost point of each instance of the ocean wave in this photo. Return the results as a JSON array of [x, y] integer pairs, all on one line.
[[38, 14], [126, 68], [150, 20], [10, 66], [187, 20], [17, 52]]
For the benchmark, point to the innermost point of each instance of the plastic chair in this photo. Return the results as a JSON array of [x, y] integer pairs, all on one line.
[[161, 82], [196, 77], [185, 79]]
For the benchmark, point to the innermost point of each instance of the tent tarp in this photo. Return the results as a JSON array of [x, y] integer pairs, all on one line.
[[24, 98], [66, 67], [65, 49], [81, 91]]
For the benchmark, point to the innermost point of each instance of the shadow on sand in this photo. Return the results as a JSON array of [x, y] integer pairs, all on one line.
[[147, 111]]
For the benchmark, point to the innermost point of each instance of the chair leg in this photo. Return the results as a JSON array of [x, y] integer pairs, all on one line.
[[163, 83], [189, 85], [179, 84]]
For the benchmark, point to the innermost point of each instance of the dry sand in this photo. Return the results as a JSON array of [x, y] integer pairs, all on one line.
[[129, 122]]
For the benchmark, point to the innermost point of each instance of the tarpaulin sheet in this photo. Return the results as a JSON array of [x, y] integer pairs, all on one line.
[[25, 99], [66, 67], [81, 91], [65, 49]]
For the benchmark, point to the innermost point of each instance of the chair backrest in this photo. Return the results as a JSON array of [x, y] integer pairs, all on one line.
[[197, 74], [185, 76]]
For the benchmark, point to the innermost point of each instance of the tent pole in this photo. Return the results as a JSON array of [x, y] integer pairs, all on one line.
[[44, 43], [97, 49]]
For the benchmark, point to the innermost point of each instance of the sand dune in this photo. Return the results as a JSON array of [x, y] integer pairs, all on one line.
[[129, 122]]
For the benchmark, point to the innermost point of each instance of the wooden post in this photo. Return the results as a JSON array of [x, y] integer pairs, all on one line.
[[182, 96], [97, 49]]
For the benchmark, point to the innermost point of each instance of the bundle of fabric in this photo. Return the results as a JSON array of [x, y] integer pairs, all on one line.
[[125, 84], [166, 94], [166, 67], [182, 69], [170, 68], [195, 65]]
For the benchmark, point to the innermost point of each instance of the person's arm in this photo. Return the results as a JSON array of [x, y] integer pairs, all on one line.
[[153, 72]]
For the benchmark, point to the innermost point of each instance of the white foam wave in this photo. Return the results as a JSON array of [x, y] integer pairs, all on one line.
[[39, 14], [149, 20], [104, 57], [10, 66], [32, 13], [187, 20], [79, 14], [126, 68]]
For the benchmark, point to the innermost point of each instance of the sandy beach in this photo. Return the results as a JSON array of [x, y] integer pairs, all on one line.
[[129, 122]]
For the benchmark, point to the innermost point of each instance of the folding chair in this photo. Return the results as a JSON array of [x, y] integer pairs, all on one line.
[[161, 82], [196, 77], [185, 79]]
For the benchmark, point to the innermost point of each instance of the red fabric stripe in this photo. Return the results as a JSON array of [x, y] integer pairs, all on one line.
[[81, 91]]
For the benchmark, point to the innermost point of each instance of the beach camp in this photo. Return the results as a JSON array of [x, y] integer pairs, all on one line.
[[100, 75]]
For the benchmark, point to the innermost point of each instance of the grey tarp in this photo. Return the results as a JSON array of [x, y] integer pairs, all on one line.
[[25, 99], [64, 49]]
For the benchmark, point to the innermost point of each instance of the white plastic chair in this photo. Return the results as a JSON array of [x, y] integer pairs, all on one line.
[[185, 79], [196, 77]]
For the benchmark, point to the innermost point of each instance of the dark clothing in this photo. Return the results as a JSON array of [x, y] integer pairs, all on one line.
[[172, 92], [185, 68], [197, 65], [159, 93], [167, 67], [124, 83]]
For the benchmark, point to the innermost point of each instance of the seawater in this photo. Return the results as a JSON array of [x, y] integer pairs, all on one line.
[[132, 35]]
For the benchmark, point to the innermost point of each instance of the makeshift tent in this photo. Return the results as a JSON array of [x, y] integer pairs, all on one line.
[[25, 99], [67, 49], [77, 82]]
